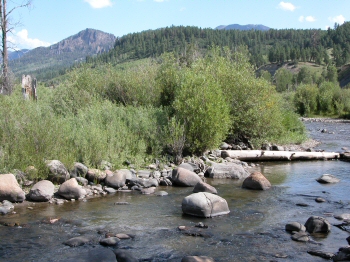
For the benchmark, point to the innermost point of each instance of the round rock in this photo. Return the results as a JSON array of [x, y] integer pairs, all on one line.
[[42, 191], [184, 177], [327, 179], [71, 190], [204, 205], [256, 181], [316, 224], [204, 187], [295, 227], [116, 180], [10, 189], [301, 237]]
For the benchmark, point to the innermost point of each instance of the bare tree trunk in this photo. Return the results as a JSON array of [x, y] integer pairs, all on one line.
[[6, 87]]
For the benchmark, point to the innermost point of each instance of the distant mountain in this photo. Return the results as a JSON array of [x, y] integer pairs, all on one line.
[[243, 27], [17, 54], [48, 62]]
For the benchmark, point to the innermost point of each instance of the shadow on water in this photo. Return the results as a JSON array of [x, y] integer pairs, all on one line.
[[252, 231]]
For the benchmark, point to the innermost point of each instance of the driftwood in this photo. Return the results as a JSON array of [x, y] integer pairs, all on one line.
[[261, 155]]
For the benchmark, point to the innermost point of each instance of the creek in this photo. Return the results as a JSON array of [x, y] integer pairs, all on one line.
[[252, 231]]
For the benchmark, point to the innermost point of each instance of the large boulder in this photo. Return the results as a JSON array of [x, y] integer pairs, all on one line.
[[256, 181], [184, 177], [327, 179], [226, 170], [79, 170], [10, 189], [204, 187], [42, 191], [71, 190], [96, 176], [204, 205], [116, 180], [317, 224], [58, 172]]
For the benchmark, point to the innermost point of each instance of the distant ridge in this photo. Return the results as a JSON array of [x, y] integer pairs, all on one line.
[[46, 62], [243, 27]]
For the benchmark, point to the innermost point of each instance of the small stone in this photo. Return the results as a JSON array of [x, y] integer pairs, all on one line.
[[295, 226], [320, 200], [77, 241], [327, 179], [122, 236], [109, 241], [342, 217], [197, 259], [31, 208], [326, 255], [161, 193]]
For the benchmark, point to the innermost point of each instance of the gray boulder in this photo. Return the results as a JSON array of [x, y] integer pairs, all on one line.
[[256, 181], [71, 190], [96, 176], [204, 205], [10, 189], [317, 224], [226, 170], [79, 170], [204, 187], [58, 172], [116, 180], [184, 177], [128, 174], [42, 191], [327, 179]]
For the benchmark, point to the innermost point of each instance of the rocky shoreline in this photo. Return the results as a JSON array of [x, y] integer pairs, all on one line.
[[82, 183]]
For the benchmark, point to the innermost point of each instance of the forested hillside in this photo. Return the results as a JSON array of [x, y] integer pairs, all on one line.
[[272, 46]]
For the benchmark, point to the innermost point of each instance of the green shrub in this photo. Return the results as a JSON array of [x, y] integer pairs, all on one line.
[[305, 99]]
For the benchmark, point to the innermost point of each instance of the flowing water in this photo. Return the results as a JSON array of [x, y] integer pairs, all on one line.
[[253, 231]]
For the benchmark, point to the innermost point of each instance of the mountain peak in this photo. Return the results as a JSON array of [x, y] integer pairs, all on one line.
[[243, 27]]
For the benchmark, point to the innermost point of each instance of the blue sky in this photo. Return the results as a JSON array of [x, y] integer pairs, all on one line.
[[49, 21]]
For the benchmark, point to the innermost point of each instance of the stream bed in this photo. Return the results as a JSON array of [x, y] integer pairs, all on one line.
[[252, 231]]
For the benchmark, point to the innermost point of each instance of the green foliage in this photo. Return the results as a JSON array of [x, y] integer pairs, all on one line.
[[326, 94], [305, 99], [283, 79], [201, 106]]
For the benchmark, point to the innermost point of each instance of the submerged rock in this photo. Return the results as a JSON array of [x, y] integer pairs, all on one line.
[[204, 187], [10, 189], [343, 254], [197, 259], [301, 237], [124, 256], [317, 224], [256, 181], [204, 205], [77, 241], [318, 253], [109, 241], [327, 179]]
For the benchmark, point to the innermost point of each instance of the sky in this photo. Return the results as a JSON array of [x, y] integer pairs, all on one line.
[[47, 22]]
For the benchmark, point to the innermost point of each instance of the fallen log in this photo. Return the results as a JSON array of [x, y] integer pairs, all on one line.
[[262, 155]]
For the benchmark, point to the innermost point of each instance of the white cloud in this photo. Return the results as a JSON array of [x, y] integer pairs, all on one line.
[[310, 18], [99, 3], [340, 19], [307, 18], [286, 6], [20, 40]]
